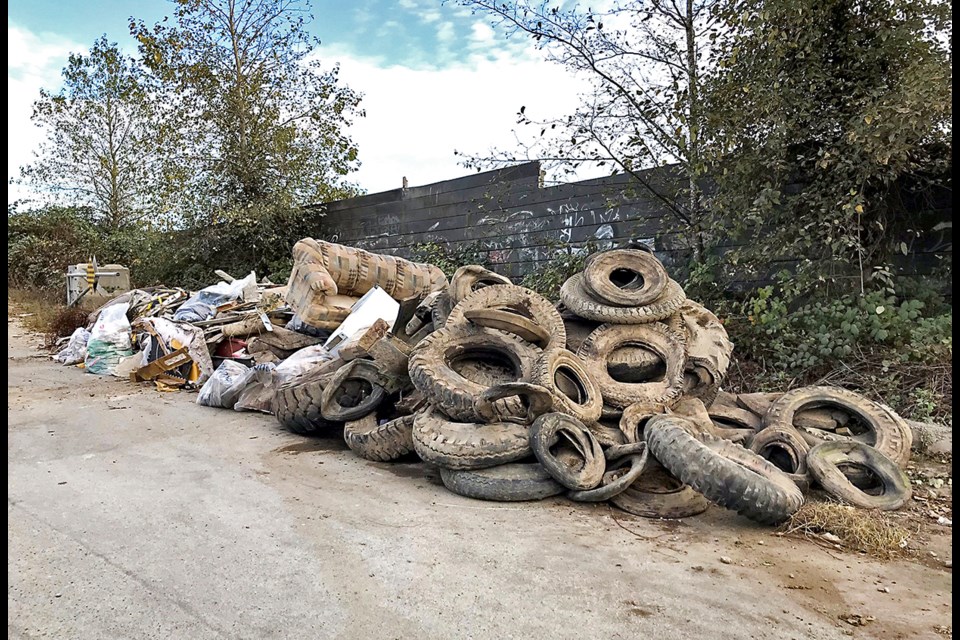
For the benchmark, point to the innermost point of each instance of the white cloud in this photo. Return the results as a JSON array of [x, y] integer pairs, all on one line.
[[417, 117], [34, 61], [445, 32]]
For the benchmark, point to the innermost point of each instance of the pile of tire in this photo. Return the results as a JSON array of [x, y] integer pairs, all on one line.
[[612, 395]]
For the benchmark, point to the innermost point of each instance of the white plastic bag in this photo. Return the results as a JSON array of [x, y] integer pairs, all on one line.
[[109, 341], [76, 349], [258, 394], [301, 362], [203, 304], [225, 385]]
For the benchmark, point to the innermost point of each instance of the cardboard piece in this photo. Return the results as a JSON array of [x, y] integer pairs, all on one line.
[[162, 364]]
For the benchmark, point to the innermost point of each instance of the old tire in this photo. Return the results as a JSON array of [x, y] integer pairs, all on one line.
[[297, 406], [825, 461], [580, 471], [383, 442], [658, 494], [505, 483], [467, 445], [577, 299], [441, 310], [657, 338], [634, 419], [573, 389], [727, 474], [784, 448], [470, 278], [607, 429], [625, 463], [519, 300], [535, 399], [624, 277], [887, 432], [332, 401], [432, 373]]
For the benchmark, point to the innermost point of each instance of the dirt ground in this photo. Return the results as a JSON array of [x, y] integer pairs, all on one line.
[[138, 514]]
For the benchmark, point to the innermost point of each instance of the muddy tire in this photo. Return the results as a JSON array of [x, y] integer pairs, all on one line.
[[887, 432], [505, 483], [577, 329], [519, 300], [470, 278], [568, 380], [708, 347], [297, 405], [825, 461], [657, 338], [441, 310], [583, 466], [432, 373], [784, 448], [634, 419], [510, 322], [624, 277], [534, 398], [727, 474], [607, 429], [658, 494], [634, 364], [382, 443], [333, 401], [625, 463], [734, 417], [468, 445], [577, 299]]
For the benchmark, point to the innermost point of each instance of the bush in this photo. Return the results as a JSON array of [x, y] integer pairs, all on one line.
[[42, 243], [449, 260], [566, 260], [825, 333]]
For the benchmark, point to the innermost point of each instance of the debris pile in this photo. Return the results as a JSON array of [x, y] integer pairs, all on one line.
[[614, 394]]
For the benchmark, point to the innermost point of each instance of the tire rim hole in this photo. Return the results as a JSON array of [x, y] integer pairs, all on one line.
[[657, 481], [862, 477], [633, 374], [485, 367], [627, 279], [568, 382], [353, 392], [781, 457]]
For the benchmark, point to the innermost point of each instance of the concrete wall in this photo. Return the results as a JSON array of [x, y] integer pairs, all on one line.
[[519, 226]]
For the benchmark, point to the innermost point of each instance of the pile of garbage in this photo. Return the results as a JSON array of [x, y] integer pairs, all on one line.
[[614, 394]]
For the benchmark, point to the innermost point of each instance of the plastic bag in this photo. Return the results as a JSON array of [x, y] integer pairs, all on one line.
[[225, 385], [258, 394], [203, 304], [109, 341], [301, 362], [76, 349], [186, 335]]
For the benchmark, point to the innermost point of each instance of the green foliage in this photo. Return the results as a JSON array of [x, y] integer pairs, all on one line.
[[564, 262], [828, 333], [41, 244], [449, 260], [103, 144], [261, 123], [818, 112]]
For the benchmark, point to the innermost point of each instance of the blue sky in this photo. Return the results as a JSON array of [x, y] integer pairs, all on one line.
[[435, 78]]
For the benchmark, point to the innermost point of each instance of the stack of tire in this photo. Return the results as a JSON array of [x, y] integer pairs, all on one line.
[[613, 395]]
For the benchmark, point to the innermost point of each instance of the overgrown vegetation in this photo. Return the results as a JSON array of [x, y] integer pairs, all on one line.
[[447, 258]]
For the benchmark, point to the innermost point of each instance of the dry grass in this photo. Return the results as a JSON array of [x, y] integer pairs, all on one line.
[[873, 532], [45, 312]]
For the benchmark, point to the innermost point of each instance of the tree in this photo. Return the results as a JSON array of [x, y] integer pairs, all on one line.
[[103, 146], [261, 123], [644, 60], [820, 112]]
